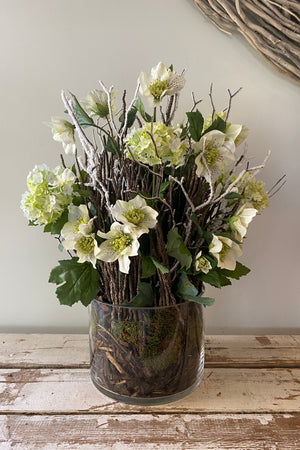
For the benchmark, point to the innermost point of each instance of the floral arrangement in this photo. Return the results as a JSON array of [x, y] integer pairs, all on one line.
[[150, 211]]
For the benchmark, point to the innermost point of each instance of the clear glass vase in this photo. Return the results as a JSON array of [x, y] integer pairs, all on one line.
[[146, 356]]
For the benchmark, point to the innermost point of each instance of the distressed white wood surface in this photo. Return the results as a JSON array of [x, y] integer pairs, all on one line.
[[58, 350], [222, 390], [249, 399], [147, 431]]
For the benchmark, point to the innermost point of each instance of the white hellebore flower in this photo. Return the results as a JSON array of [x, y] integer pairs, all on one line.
[[240, 221], [121, 243], [215, 153], [87, 248], [79, 223], [225, 251], [201, 263], [78, 236], [160, 82], [63, 131], [96, 103], [135, 214]]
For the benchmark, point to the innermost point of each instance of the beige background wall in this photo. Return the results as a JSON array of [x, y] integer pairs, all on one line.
[[49, 45]]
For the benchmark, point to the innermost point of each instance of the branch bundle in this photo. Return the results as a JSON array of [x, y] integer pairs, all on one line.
[[272, 27]]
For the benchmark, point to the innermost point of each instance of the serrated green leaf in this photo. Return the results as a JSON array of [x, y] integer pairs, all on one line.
[[196, 122], [80, 282], [218, 124], [212, 278], [177, 248], [239, 271], [83, 119], [188, 291], [160, 266], [141, 109], [144, 297], [130, 117]]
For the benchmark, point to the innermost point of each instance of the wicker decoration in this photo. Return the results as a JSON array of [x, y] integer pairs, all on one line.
[[271, 26]]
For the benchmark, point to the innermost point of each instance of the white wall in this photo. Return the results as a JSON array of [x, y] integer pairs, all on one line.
[[46, 46]]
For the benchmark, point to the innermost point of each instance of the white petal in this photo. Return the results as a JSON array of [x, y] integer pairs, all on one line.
[[160, 72], [106, 252], [124, 264]]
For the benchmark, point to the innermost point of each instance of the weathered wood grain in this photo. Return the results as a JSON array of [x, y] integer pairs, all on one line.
[[151, 431], [50, 391], [58, 350]]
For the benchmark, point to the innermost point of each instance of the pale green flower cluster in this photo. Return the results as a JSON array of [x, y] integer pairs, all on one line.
[[49, 192], [254, 192], [168, 146]]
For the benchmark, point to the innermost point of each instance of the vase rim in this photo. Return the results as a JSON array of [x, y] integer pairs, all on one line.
[[112, 305]]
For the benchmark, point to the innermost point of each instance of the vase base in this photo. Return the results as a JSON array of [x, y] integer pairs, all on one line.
[[148, 401]]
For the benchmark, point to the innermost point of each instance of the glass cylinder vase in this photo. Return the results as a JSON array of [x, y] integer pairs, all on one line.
[[146, 356]]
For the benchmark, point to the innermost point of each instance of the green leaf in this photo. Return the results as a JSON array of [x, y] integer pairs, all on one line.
[[83, 119], [56, 227], [233, 196], [80, 282], [32, 223], [229, 235], [160, 266], [148, 268], [130, 117], [164, 186], [144, 297], [218, 124], [171, 68], [141, 109], [188, 291], [196, 122], [239, 271], [215, 278], [176, 248], [196, 222], [111, 146]]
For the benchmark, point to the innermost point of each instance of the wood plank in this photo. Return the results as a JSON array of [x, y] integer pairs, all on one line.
[[151, 431], [252, 351], [71, 350], [221, 391]]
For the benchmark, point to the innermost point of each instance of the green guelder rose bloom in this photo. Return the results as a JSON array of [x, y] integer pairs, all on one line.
[[79, 223], [63, 131], [168, 144], [225, 251], [201, 263], [159, 83], [120, 244], [217, 152], [135, 214], [96, 103], [240, 221], [49, 192], [254, 192]]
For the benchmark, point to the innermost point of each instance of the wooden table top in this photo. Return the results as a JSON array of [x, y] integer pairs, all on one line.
[[249, 399]]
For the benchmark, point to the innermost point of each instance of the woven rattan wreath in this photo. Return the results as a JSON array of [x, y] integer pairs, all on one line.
[[271, 26]]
